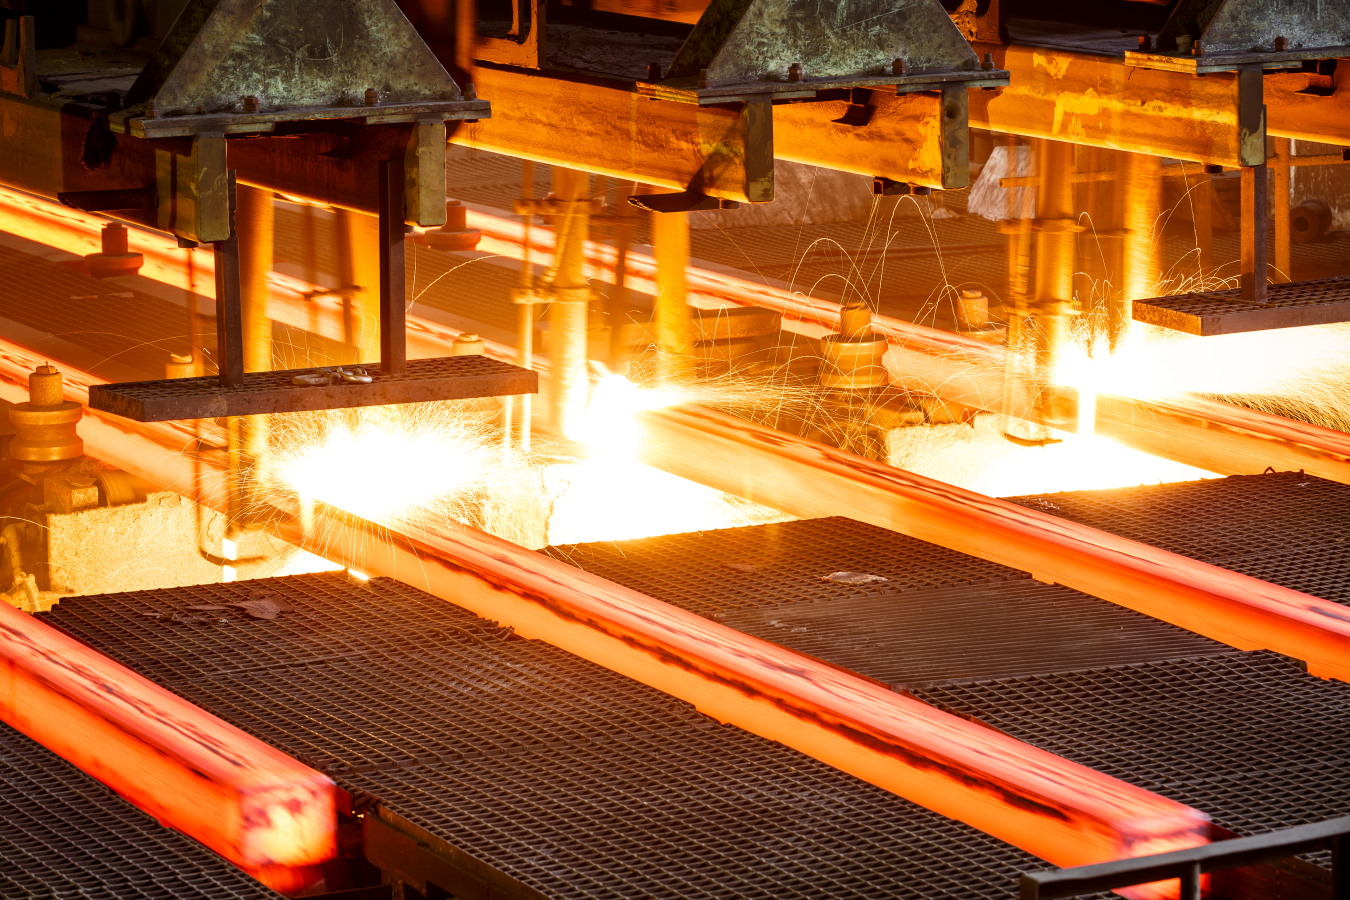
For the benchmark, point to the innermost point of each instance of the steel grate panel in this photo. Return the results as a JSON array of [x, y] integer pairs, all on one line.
[[67, 836], [425, 380], [1017, 628], [676, 831], [763, 566], [574, 780], [1249, 738], [1318, 302], [1284, 527]]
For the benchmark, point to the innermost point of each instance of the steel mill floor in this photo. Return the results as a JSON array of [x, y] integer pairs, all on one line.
[[1248, 737], [65, 835], [522, 768]]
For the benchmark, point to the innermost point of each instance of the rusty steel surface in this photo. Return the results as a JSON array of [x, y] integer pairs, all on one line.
[[1099, 100], [746, 41], [970, 774], [257, 807], [1288, 305], [509, 746], [1255, 26], [809, 479], [66, 834], [924, 614]]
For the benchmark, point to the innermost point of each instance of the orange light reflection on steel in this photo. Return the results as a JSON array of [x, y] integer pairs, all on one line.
[[250, 803], [1061, 811]]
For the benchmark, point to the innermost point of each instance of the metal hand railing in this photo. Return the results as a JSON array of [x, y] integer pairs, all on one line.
[[1188, 865]]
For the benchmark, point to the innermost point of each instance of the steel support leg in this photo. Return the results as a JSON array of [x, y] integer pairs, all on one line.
[[1255, 209], [674, 329], [1141, 192], [1279, 186], [229, 316], [570, 296], [1203, 203], [393, 290]]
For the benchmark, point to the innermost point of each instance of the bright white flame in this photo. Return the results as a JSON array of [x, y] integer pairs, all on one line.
[[386, 472], [229, 550]]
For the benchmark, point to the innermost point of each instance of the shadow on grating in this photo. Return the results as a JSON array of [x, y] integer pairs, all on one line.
[[569, 778], [1284, 527], [764, 566], [1016, 628], [1250, 738], [66, 835]]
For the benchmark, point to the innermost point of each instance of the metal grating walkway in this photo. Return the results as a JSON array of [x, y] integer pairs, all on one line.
[[1023, 627], [1283, 527], [714, 572], [1249, 738], [1319, 302], [935, 613], [65, 835], [563, 778]]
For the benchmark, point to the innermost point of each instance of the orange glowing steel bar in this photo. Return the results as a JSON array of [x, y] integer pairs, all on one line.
[[811, 479], [250, 803], [1061, 811]]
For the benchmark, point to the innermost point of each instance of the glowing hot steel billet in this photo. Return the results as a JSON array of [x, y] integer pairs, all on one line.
[[249, 802]]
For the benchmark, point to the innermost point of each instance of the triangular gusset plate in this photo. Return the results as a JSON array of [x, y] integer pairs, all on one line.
[[746, 41], [1244, 26], [289, 55]]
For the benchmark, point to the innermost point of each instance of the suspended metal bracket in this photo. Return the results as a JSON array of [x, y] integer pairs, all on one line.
[[1203, 36]]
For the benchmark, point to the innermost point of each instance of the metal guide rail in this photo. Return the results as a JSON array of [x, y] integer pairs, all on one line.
[[1287, 528], [519, 767], [66, 835]]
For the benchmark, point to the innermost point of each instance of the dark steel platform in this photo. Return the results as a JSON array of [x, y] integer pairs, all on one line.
[[65, 835], [426, 380], [764, 566], [972, 632], [1289, 305], [524, 769], [1287, 528], [1249, 738], [940, 613]]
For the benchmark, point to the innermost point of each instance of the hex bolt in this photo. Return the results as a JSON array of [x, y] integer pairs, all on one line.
[[1281, 44], [1145, 43], [988, 62], [654, 71], [250, 104], [795, 73], [898, 67], [703, 78], [372, 96], [1197, 49], [152, 108], [470, 93]]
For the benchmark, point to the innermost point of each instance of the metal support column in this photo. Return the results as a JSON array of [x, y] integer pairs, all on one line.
[[1279, 186], [1255, 209], [526, 296], [393, 289], [255, 223], [1141, 270], [1203, 203], [359, 262], [1056, 247], [229, 316], [674, 328], [570, 295]]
